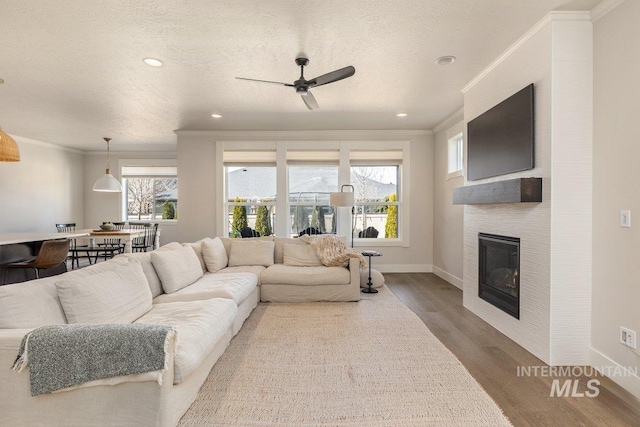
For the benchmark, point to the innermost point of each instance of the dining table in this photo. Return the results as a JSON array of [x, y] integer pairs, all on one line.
[[126, 235]]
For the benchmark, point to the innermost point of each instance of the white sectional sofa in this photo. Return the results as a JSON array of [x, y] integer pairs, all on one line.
[[205, 290]]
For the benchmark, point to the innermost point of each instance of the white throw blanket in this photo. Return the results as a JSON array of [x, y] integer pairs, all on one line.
[[331, 250]]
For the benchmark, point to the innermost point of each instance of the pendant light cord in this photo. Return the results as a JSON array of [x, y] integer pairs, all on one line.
[[108, 168]]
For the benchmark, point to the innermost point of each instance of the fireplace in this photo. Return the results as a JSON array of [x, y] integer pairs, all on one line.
[[499, 272]]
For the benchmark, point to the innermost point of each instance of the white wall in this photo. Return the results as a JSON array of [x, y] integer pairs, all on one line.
[[555, 275], [616, 250], [44, 188], [447, 218], [100, 207], [199, 198]]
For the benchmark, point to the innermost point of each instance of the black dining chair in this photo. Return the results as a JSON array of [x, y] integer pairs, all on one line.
[[74, 249], [110, 247], [147, 241], [52, 253]]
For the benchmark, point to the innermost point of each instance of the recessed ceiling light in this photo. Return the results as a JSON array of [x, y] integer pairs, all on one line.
[[216, 116], [446, 60], [401, 114], [153, 62]]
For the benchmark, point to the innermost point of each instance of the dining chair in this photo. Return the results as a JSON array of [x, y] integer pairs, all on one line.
[[147, 241], [110, 247], [52, 253], [90, 252]]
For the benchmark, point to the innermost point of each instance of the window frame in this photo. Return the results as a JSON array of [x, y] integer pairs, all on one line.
[[455, 151], [250, 202], [282, 226], [398, 203], [146, 163]]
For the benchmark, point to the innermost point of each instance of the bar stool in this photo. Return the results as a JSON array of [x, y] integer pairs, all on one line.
[[52, 253]]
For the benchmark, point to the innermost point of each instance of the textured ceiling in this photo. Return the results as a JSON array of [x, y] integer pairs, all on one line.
[[73, 69]]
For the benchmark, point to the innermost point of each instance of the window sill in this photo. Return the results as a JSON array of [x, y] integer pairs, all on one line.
[[366, 243], [455, 174]]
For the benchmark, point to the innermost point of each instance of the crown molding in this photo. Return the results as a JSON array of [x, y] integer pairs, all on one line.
[[46, 144], [603, 8], [143, 154], [447, 123], [553, 16], [304, 134]]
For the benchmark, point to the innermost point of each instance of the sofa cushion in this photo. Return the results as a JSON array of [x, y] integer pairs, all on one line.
[[226, 241], [215, 256], [172, 246], [251, 252], [144, 258], [280, 242], [255, 269], [197, 248], [305, 276], [200, 325], [30, 304], [35, 303], [231, 286], [300, 256], [177, 268], [120, 295]]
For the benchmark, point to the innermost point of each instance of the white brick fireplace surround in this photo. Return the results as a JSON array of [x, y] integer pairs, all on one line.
[[556, 235]]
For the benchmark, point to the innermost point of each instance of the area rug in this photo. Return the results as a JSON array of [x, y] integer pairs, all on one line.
[[367, 363]]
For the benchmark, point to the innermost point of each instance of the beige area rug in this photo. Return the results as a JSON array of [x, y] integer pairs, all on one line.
[[370, 363]]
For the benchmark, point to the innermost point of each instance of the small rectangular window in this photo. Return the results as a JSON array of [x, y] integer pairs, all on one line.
[[455, 153], [250, 200], [150, 192], [309, 189]]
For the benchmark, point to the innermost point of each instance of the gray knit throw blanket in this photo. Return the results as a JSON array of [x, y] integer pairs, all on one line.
[[61, 356]]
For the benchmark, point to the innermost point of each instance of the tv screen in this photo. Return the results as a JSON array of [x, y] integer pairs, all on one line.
[[501, 140]]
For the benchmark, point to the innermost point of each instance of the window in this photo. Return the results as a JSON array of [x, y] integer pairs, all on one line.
[[309, 189], [304, 174], [455, 151], [376, 201], [150, 193], [250, 192]]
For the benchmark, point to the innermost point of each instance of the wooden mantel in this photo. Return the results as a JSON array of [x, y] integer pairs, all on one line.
[[519, 190]]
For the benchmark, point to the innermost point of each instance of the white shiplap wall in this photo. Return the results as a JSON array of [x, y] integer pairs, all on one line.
[[547, 230]]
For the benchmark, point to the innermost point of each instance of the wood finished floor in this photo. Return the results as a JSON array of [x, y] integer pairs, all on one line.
[[492, 359]]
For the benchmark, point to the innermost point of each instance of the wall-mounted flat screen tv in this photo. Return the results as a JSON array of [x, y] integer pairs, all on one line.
[[501, 140]]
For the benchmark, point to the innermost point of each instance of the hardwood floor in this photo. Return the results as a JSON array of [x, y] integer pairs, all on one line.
[[493, 360]]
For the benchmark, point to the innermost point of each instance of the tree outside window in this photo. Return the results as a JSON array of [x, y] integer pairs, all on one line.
[[376, 202], [151, 198]]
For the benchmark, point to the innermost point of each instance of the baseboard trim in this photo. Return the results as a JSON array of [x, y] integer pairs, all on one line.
[[402, 268], [455, 281], [627, 380]]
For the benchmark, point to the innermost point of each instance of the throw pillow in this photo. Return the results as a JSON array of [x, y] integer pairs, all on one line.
[[300, 256], [214, 254], [177, 269], [251, 252], [120, 295], [197, 248]]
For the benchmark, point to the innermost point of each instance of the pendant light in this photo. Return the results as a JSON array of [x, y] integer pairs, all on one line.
[[108, 183], [8, 148]]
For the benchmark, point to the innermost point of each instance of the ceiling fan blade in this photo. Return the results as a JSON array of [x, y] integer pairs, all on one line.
[[310, 101], [333, 76], [265, 81]]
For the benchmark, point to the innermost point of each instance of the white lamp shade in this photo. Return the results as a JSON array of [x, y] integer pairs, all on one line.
[[108, 183], [341, 199]]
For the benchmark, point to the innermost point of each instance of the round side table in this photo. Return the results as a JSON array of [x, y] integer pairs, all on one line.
[[370, 254]]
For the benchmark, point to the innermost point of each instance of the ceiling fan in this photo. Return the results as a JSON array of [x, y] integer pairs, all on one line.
[[302, 85]]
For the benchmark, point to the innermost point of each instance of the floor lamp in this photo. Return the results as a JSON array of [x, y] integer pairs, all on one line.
[[344, 199]]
